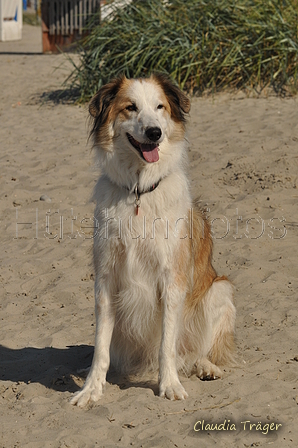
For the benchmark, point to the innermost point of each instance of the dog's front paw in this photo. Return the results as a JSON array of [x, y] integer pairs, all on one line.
[[173, 390], [91, 392]]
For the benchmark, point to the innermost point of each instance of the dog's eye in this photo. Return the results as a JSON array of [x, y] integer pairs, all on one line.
[[160, 106], [131, 108]]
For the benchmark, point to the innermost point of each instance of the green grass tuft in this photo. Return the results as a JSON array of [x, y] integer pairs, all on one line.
[[202, 44]]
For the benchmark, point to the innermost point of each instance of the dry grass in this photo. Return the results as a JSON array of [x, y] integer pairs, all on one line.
[[201, 44]]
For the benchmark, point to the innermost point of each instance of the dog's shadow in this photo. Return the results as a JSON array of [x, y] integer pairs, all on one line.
[[57, 368]]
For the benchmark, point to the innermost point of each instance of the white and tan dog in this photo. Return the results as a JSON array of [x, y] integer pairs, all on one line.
[[159, 303]]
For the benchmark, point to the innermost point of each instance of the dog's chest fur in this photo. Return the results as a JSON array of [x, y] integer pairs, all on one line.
[[141, 249]]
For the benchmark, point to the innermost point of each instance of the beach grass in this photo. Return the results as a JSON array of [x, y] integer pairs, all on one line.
[[203, 45]]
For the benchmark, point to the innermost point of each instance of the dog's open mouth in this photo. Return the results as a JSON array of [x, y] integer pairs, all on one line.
[[148, 151]]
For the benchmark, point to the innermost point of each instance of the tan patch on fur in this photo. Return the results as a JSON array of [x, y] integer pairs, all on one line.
[[203, 273], [222, 349], [119, 106], [223, 277], [102, 135], [178, 133], [183, 263], [103, 108], [200, 277]]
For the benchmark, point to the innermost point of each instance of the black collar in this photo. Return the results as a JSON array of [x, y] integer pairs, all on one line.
[[138, 193]]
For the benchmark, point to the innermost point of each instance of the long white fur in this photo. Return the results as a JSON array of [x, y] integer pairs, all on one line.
[[139, 306]]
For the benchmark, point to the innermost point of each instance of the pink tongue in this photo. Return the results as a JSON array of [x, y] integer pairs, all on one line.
[[150, 152]]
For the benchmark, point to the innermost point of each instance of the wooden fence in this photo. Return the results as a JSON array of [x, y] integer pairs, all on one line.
[[65, 21]]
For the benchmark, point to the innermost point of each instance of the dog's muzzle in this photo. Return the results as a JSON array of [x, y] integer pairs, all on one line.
[[148, 151]]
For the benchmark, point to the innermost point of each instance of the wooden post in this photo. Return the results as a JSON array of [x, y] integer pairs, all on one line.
[[38, 11]]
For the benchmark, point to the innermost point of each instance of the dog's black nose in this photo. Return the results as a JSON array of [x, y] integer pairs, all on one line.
[[153, 134]]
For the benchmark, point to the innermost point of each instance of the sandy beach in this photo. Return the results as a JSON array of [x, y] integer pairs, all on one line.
[[244, 167]]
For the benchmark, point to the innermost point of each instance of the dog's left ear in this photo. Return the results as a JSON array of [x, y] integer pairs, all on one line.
[[100, 104], [179, 102]]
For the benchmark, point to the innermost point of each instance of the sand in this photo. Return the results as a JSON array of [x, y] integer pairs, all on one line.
[[243, 165]]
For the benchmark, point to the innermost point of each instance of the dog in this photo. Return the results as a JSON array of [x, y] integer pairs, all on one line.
[[160, 305]]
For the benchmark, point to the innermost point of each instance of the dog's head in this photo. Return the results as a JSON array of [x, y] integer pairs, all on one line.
[[138, 115]]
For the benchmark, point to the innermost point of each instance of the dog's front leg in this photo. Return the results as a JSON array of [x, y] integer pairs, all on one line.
[[169, 384], [96, 379]]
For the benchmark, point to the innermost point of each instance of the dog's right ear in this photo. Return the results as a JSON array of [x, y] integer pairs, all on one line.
[[102, 101]]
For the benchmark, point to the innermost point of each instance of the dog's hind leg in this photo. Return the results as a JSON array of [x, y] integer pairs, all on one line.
[[219, 315]]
